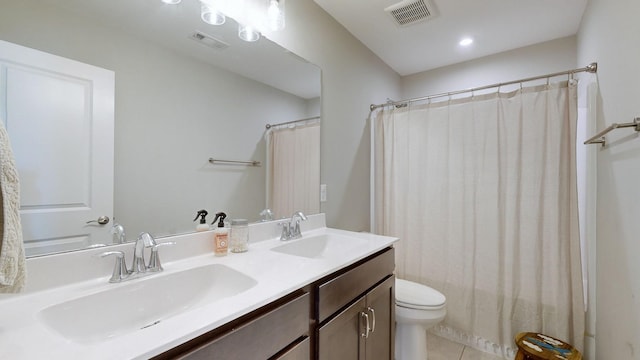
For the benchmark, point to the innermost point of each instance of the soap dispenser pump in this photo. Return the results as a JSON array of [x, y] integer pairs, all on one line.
[[220, 236], [202, 226]]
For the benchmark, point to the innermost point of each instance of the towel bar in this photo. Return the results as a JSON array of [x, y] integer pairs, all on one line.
[[235, 162], [599, 137]]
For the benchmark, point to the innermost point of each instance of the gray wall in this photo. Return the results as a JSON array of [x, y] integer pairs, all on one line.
[[548, 57], [352, 78], [609, 35]]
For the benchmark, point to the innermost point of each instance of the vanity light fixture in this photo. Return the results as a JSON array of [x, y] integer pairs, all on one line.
[[270, 13], [466, 42]]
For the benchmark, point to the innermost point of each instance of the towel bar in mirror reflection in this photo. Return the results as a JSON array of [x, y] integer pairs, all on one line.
[[235, 162]]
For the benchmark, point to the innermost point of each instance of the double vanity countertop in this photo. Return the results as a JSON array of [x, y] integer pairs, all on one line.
[[70, 309]]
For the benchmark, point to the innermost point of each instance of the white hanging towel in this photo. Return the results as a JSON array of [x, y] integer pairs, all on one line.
[[12, 258]]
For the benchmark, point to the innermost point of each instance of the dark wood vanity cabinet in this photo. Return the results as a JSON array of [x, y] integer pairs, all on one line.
[[360, 326], [348, 315], [277, 331]]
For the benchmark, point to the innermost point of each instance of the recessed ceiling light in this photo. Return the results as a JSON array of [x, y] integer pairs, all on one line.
[[466, 41], [171, 2]]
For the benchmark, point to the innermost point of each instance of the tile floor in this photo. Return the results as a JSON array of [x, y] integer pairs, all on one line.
[[443, 349]]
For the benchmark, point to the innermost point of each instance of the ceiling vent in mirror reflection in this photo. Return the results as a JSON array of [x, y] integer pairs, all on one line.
[[208, 40], [409, 12]]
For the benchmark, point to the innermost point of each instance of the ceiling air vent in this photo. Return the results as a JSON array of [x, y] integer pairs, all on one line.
[[409, 12], [208, 40]]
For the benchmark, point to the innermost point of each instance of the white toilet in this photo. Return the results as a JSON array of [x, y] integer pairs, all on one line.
[[418, 308]]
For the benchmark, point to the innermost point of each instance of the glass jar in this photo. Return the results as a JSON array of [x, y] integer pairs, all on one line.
[[239, 235]]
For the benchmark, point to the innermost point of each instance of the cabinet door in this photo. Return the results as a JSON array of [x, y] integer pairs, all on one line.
[[381, 309], [341, 338]]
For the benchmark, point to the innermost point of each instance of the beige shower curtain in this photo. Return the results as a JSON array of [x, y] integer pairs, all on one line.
[[482, 193], [293, 169]]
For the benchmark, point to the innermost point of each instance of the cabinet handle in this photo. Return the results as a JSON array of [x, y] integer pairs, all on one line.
[[373, 315], [367, 328]]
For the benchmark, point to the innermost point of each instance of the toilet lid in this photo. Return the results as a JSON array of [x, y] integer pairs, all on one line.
[[414, 295]]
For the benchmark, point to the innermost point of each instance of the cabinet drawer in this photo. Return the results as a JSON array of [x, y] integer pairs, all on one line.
[[262, 337], [338, 292], [301, 351]]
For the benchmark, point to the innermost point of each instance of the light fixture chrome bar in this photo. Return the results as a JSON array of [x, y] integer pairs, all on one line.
[[591, 68], [269, 126], [235, 162], [599, 137]]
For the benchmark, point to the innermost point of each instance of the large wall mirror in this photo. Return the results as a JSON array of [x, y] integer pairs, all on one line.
[[180, 99]]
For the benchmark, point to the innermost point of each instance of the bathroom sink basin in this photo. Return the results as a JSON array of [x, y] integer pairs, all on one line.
[[320, 246], [136, 305]]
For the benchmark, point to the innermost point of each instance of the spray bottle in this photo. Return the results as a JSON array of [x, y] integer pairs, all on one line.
[[220, 236], [202, 226]]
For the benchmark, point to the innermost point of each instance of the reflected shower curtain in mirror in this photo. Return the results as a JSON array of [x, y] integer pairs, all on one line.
[[482, 193], [293, 169]]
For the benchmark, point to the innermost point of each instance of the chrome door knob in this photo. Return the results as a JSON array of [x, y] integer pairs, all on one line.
[[102, 220]]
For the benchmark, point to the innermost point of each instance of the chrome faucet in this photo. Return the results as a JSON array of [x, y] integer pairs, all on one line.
[[266, 214], [139, 268], [117, 233], [291, 229]]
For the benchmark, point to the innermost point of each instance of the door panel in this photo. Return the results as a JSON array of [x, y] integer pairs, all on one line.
[[340, 338], [380, 341], [59, 114]]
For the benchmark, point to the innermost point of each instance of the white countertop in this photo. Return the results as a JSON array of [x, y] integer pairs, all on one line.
[[58, 278]]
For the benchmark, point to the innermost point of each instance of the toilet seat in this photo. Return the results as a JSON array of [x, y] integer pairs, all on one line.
[[417, 296]]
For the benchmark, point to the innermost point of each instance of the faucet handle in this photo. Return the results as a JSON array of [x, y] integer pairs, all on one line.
[[120, 271], [154, 260], [295, 231], [286, 230]]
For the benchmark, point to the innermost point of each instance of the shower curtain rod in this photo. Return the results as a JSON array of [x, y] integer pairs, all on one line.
[[591, 68], [269, 126]]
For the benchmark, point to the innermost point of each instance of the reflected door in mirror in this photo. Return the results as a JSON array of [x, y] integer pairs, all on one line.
[[59, 115]]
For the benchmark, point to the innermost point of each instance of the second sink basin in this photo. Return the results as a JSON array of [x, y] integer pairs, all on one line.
[[136, 305], [320, 246]]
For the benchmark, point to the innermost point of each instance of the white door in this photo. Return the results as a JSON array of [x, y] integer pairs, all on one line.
[[59, 114]]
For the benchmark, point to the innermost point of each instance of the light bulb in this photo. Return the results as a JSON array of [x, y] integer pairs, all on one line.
[[248, 33], [211, 14], [275, 15]]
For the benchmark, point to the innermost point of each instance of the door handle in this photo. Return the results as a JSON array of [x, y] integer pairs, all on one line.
[[373, 316], [102, 220], [364, 315]]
